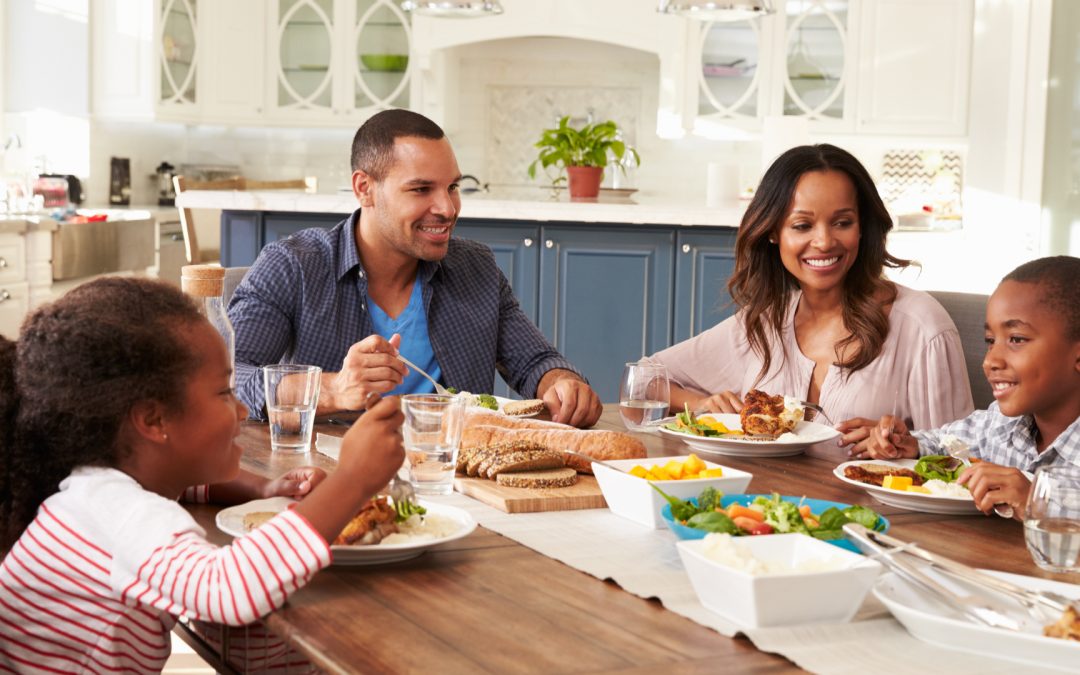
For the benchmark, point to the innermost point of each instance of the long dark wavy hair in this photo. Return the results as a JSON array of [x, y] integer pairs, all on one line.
[[68, 384], [761, 286]]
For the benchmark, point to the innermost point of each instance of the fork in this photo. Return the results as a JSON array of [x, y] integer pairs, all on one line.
[[439, 389], [400, 490], [959, 451], [818, 410]]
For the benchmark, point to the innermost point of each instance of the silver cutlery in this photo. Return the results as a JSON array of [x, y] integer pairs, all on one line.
[[818, 410], [401, 491], [959, 451], [439, 389], [601, 462]]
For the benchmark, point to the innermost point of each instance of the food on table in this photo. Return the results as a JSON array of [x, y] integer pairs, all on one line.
[[766, 515], [480, 400], [551, 478], [765, 415], [256, 519], [488, 461], [484, 429], [875, 474], [375, 520], [687, 423], [1067, 627], [725, 550], [896, 482], [419, 529], [689, 469], [941, 467], [527, 407]]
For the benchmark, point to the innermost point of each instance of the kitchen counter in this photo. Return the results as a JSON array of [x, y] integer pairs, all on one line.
[[640, 208], [19, 224]]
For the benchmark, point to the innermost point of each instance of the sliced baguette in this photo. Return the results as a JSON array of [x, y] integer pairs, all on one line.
[[552, 478]]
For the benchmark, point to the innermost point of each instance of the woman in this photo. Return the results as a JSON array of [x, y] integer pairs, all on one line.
[[817, 319]]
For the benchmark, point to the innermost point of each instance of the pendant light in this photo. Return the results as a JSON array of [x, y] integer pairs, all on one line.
[[716, 10], [453, 9]]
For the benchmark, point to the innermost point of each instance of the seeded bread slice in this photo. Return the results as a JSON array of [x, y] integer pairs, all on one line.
[[527, 407], [524, 460], [478, 458], [553, 478]]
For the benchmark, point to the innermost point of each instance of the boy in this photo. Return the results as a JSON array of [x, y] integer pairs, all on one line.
[[1033, 364]]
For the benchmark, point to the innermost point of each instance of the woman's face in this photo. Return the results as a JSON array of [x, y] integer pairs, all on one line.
[[819, 237]]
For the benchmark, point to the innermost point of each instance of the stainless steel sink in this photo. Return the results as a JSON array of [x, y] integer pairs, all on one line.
[[125, 242]]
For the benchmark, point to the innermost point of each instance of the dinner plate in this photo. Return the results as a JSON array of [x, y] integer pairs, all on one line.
[[816, 507], [911, 501], [805, 435], [503, 401], [231, 521], [933, 622]]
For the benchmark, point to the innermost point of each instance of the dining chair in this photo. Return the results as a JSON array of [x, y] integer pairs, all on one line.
[[233, 277], [194, 253], [968, 312]]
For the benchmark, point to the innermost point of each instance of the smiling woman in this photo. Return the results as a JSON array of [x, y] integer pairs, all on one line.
[[817, 319]]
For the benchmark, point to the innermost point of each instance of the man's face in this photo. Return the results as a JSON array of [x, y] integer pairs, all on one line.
[[416, 206]]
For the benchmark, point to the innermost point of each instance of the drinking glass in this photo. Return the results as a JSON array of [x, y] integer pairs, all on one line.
[[292, 394], [644, 396], [1052, 519], [432, 435]]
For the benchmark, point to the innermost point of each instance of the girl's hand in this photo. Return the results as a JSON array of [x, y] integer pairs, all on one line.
[[296, 483], [992, 484], [373, 449], [720, 402], [887, 439]]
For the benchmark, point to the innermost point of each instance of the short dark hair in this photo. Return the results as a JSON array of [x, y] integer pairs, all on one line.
[[1059, 276], [373, 144]]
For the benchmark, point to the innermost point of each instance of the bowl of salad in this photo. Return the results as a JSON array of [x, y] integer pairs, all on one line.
[[747, 515]]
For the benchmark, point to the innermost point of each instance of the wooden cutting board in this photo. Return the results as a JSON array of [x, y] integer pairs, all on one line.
[[584, 494]]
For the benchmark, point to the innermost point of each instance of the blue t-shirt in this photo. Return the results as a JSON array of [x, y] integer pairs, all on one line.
[[412, 325]]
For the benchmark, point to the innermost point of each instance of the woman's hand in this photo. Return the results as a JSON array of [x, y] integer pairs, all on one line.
[[720, 402], [296, 483], [992, 484], [888, 438]]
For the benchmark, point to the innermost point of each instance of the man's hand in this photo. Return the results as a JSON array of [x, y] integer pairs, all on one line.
[[370, 366], [569, 399], [720, 402], [992, 484], [296, 483], [888, 438]]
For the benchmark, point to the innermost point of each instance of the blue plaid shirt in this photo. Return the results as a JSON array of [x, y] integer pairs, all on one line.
[[304, 301]]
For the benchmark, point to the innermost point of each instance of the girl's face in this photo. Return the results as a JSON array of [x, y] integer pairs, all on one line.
[[819, 238], [1032, 366], [203, 432]]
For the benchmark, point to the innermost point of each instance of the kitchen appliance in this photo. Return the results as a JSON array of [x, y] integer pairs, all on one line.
[[119, 181], [74, 186], [166, 192], [53, 192]]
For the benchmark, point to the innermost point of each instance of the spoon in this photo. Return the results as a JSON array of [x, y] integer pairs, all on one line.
[[439, 389]]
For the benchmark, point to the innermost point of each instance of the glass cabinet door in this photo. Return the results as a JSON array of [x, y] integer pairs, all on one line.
[[305, 47], [380, 60], [729, 78], [178, 52], [816, 45]]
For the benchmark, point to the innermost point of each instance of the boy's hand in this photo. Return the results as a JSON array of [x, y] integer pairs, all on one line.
[[296, 483], [992, 484], [372, 450], [887, 438]]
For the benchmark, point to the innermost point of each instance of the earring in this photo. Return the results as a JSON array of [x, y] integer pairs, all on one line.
[[164, 437]]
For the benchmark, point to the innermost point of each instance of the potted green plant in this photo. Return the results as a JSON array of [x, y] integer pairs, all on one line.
[[582, 153]]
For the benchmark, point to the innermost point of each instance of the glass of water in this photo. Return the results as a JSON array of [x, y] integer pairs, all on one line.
[[292, 395], [644, 396], [1052, 519], [432, 435]]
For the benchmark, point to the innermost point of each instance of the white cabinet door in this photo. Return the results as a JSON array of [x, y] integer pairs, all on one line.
[[177, 45], [914, 66], [13, 308], [123, 57], [234, 58], [304, 55]]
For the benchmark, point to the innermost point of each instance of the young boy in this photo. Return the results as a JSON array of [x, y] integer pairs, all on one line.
[[1033, 364]]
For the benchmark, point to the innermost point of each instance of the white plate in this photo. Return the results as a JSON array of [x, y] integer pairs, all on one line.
[[933, 622], [807, 434], [231, 521], [912, 501], [503, 401]]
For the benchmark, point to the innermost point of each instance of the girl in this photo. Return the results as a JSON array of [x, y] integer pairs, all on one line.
[[115, 400], [817, 319]]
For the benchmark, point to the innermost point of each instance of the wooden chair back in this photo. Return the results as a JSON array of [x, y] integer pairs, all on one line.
[[195, 255]]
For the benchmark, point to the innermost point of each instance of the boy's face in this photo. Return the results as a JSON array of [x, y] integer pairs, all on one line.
[[1032, 366]]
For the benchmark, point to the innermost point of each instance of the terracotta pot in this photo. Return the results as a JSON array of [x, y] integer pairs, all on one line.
[[584, 181]]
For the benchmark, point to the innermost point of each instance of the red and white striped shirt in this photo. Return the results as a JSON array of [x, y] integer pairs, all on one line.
[[98, 578]]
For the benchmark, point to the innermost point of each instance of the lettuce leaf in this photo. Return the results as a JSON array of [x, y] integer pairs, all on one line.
[[940, 467], [714, 521], [681, 510]]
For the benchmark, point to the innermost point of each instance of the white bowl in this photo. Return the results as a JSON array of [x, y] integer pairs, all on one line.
[[786, 599], [634, 498]]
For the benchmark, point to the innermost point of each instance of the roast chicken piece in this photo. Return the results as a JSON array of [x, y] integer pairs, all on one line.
[[375, 521], [764, 415]]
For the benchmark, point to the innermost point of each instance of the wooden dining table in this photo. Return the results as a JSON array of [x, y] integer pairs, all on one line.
[[486, 603]]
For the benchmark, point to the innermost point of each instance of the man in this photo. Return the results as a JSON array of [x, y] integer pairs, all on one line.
[[390, 278]]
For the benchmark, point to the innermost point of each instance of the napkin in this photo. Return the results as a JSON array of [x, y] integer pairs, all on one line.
[[328, 445]]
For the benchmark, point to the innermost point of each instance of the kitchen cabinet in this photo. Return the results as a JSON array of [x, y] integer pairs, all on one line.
[[25, 273], [234, 48], [704, 261], [177, 41]]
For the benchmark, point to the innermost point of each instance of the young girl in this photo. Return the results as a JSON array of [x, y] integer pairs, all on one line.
[[113, 403]]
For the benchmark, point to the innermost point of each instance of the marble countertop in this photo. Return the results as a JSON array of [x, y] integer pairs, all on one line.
[[19, 224], [536, 204]]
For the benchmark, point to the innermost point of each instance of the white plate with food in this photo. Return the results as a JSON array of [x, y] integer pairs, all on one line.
[[946, 498], [793, 442], [440, 525], [508, 406], [933, 622]]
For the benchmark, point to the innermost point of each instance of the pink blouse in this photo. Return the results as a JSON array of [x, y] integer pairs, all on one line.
[[920, 374]]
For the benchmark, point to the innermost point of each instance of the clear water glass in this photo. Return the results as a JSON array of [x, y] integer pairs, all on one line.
[[644, 395], [292, 395], [1052, 519], [432, 435]]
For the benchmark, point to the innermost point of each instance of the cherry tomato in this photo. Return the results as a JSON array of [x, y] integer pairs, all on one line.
[[762, 528], [745, 524]]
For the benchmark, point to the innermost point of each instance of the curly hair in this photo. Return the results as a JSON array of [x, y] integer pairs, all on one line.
[[1059, 276], [69, 383], [761, 286]]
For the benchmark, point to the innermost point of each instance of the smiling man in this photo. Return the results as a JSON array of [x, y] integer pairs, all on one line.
[[391, 279]]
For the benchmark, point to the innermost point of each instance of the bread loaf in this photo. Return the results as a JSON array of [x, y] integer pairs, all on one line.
[[554, 478]]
